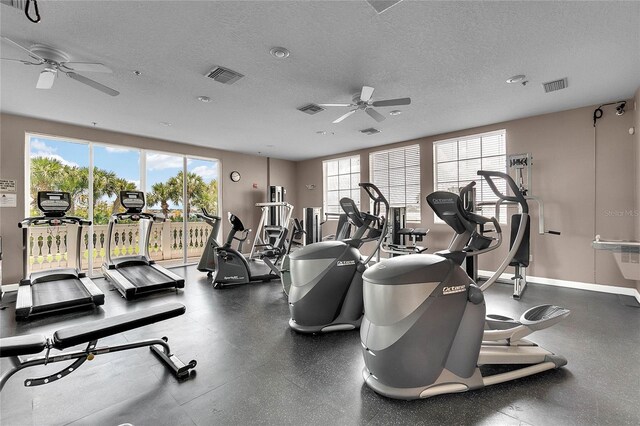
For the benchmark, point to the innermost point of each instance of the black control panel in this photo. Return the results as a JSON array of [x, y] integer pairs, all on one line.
[[54, 203], [133, 201]]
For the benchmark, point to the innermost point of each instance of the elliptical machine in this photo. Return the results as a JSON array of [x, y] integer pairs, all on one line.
[[326, 277], [425, 332]]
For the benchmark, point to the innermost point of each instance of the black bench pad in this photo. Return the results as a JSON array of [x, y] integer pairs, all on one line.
[[95, 330], [22, 345]]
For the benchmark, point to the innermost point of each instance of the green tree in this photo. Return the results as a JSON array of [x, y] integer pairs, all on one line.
[[121, 185], [161, 193], [45, 176]]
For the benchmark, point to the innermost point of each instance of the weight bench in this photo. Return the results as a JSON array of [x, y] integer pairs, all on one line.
[[89, 333]]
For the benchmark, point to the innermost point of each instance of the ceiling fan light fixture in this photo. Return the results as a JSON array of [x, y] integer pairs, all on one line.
[[46, 78], [279, 52]]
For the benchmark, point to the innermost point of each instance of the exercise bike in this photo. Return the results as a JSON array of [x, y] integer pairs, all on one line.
[[234, 268], [208, 259], [325, 291], [425, 333]]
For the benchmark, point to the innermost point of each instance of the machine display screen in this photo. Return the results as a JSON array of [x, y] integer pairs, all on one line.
[[54, 202]]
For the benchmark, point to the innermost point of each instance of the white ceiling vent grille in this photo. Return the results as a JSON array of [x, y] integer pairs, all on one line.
[[18, 4], [311, 109], [552, 86], [382, 5], [224, 75], [370, 131]]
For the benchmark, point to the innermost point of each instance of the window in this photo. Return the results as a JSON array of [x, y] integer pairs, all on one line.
[[94, 174], [456, 163], [396, 172], [341, 179]]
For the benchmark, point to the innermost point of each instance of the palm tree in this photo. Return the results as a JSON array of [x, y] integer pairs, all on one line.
[[121, 184], [161, 193], [45, 176]]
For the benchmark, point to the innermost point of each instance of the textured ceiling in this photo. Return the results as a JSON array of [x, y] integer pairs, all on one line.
[[451, 58]]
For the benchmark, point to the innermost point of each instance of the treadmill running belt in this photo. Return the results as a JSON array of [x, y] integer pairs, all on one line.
[[58, 294], [145, 276]]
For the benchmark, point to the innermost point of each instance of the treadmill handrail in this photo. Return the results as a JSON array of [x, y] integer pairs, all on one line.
[[53, 221], [137, 216]]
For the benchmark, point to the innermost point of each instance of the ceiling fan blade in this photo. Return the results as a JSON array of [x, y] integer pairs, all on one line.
[[339, 119], [22, 61], [392, 102], [94, 84], [366, 93], [335, 105], [31, 54], [86, 67], [374, 114], [46, 79]]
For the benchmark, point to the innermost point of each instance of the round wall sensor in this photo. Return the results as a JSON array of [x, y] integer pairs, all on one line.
[[516, 79], [632, 130]]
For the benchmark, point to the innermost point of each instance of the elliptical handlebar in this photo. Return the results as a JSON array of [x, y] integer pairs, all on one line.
[[467, 189], [516, 198], [206, 216], [378, 198], [376, 195]]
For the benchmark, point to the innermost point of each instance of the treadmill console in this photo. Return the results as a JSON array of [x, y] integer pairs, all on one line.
[[133, 201], [54, 203]]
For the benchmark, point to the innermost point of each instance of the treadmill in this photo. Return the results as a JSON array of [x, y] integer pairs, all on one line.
[[138, 274], [57, 289]]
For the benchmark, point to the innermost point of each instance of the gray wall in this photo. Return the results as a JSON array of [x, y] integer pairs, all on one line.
[[636, 114], [237, 197], [578, 202]]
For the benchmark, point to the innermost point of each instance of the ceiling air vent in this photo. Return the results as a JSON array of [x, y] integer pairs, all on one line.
[[311, 109], [382, 5], [18, 4], [370, 131], [224, 75], [552, 86]]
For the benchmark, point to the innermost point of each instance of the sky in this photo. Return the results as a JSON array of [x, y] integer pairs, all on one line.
[[124, 162]]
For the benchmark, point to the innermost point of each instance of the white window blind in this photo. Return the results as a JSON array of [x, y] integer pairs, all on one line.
[[341, 179], [396, 172], [456, 163]]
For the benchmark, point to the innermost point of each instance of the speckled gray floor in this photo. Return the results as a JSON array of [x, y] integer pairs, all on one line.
[[252, 369]]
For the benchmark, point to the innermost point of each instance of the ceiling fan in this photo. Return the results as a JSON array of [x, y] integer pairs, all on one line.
[[55, 61], [363, 101]]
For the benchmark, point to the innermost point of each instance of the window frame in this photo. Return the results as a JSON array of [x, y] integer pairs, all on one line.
[[481, 157], [325, 178], [410, 217], [143, 178]]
